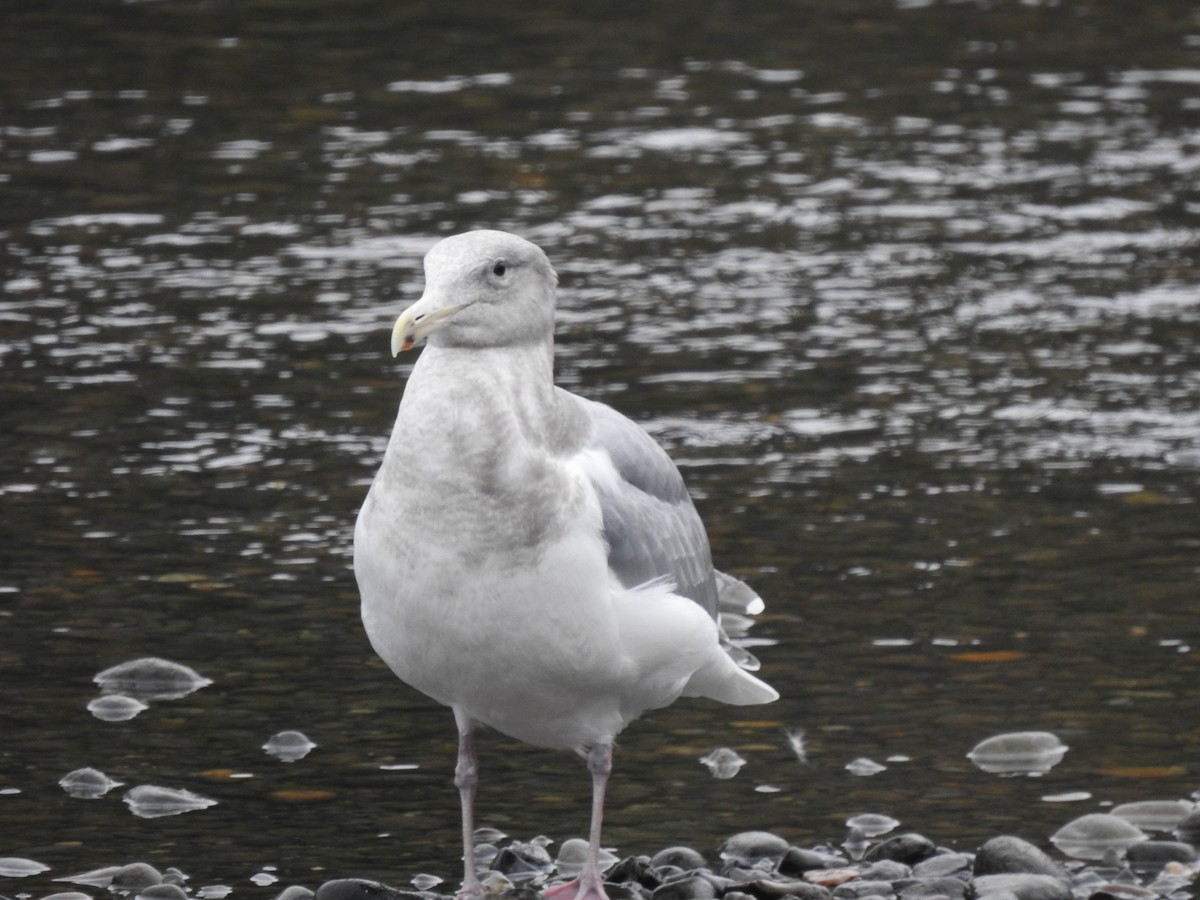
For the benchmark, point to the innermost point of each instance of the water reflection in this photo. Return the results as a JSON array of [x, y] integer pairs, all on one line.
[[907, 290]]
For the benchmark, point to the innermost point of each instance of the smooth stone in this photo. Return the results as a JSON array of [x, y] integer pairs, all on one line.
[[295, 892], [1007, 854], [635, 869], [1189, 828], [135, 877], [684, 858], [943, 864], [748, 846], [1154, 854], [797, 861], [691, 887], [767, 889], [831, 878], [362, 889], [1023, 886], [861, 889], [909, 848], [68, 895], [163, 892], [927, 888], [1125, 889], [886, 870]]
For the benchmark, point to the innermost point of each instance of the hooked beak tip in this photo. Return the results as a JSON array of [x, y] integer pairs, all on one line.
[[412, 327]]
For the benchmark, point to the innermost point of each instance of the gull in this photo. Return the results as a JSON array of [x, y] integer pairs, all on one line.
[[527, 557]]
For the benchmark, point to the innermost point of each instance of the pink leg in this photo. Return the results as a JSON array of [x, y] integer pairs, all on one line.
[[466, 776], [590, 883]]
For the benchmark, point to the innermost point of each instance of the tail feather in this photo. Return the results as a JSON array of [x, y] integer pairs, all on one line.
[[723, 681]]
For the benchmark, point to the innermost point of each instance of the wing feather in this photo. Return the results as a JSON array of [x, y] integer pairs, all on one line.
[[650, 523]]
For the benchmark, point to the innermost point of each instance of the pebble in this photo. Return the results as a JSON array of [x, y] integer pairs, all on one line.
[[943, 864], [802, 889], [1153, 855], [1188, 828], [684, 858], [1022, 886], [692, 887], [909, 849], [860, 888], [1006, 853], [946, 886], [761, 865], [796, 861]]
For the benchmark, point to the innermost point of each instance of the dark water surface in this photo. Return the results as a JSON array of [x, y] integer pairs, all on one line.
[[909, 290]]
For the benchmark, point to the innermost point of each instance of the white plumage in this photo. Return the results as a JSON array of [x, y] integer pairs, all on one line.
[[526, 557]]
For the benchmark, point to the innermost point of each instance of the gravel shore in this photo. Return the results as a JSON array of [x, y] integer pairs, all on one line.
[[759, 865]]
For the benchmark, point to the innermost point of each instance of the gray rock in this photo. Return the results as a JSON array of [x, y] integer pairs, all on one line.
[[909, 849], [797, 861], [634, 870], [859, 889], [943, 864], [802, 889], [684, 858], [886, 870], [1189, 828], [295, 892], [1023, 886], [946, 886], [1009, 854], [1153, 855], [691, 887]]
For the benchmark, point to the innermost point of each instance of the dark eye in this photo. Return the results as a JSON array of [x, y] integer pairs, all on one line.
[[499, 268]]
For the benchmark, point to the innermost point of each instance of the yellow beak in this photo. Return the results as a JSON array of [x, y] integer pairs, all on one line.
[[415, 324]]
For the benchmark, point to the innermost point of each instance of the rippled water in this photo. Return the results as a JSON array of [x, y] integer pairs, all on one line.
[[909, 291]]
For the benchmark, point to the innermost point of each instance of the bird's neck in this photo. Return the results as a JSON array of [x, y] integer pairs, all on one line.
[[524, 371], [507, 390]]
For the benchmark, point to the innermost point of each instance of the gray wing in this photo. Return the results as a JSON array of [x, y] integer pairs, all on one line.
[[650, 523]]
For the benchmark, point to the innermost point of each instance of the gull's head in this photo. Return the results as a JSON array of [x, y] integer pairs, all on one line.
[[482, 289]]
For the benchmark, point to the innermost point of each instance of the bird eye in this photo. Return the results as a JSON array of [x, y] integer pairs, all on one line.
[[499, 268]]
